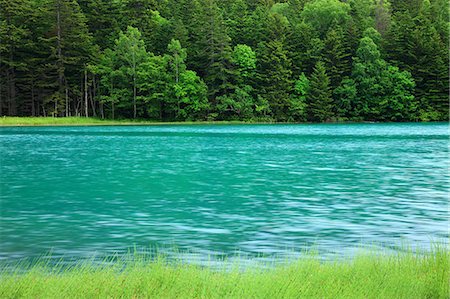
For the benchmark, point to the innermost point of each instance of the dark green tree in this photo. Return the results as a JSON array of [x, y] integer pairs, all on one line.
[[320, 102]]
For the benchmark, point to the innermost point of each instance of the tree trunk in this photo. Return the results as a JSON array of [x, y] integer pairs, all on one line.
[[92, 102], [102, 113], [33, 110], [10, 77], [67, 102], [38, 108], [59, 51], [12, 93], [85, 94], [55, 113], [93, 96], [1, 99], [134, 97]]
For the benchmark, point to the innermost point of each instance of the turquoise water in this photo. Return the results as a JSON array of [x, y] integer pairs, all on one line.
[[219, 189]]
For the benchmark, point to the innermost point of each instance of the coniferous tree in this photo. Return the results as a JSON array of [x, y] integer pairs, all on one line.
[[240, 104], [274, 67], [212, 52], [70, 50], [15, 40], [103, 19], [320, 103], [253, 59], [335, 56]]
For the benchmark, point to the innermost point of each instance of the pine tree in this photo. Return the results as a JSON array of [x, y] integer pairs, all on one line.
[[70, 48], [15, 39], [382, 16], [430, 70], [103, 20], [274, 66], [274, 72], [212, 51], [320, 102], [335, 56]]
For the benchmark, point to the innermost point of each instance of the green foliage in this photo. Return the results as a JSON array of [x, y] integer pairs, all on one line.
[[346, 97], [245, 60], [297, 103], [320, 103], [384, 92], [274, 74], [335, 56], [238, 105], [130, 58], [323, 14], [191, 94]]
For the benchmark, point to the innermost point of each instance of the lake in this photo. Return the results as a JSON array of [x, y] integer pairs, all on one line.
[[221, 189]]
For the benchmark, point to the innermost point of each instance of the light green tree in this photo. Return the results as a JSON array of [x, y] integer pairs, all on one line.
[[131, 53]]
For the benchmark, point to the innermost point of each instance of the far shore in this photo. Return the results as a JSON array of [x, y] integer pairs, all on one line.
[[92, 121], [13, 121]]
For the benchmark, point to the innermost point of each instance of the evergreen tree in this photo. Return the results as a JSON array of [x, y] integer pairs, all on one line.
[[335, 56], [274, 67], [274, 72], [212, 52], [71, 49], [103, 20], [240, 104], [320, 103], [15, 40], [430, 69], [255, 59]]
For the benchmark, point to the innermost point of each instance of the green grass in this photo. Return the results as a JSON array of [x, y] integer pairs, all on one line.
[[91, 121], [406, 274]]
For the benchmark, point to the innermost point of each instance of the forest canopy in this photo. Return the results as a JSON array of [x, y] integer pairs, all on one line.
[[260, 60]]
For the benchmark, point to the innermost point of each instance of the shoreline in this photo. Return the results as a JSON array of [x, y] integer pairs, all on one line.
[[407, 274], [12, 121]]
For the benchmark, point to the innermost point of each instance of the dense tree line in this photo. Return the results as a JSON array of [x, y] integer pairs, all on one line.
[[291, 60]]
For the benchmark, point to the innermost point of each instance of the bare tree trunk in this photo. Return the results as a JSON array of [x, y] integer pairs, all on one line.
[[12, 93], [112, 110], [59, 50], [134, 96], [85, 94], [67, 101], [1, 99], [38, 108], [92, 102], [93, 95], [55, 113], [33, 109]]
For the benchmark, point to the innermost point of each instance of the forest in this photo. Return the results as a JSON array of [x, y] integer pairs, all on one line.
[[249, 60]]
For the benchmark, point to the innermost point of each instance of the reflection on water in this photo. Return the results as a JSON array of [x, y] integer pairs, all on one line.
[[220, 189]]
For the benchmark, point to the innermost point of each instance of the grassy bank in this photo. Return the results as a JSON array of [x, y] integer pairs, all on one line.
[[402, 275], [90, 121]]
